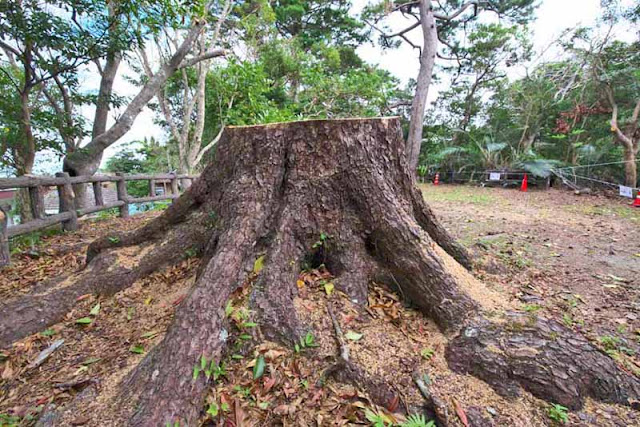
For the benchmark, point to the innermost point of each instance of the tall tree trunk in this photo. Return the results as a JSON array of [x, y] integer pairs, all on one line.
[[427, 61], [630, 166], [25, 153], [87, 160], [270, 192]]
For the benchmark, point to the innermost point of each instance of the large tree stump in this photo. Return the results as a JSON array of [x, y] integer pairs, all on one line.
[[272, 191]]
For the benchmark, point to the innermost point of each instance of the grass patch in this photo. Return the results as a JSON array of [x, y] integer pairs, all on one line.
[[619, 211], [457, 194], [32, 240]]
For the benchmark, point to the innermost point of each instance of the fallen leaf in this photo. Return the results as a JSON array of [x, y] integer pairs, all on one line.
[[461, 414], [238, 413], [328, 288], [258, 265], [258, 368], [137, 349], [269, 382], [393, 404], [353, 336], [95, 310]]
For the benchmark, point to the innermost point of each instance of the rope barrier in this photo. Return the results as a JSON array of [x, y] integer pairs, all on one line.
[[599, 164], [611, 184]]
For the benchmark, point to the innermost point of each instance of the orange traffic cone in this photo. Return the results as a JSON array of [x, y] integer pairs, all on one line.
[[636, 202], [437, 180], [523, 187]]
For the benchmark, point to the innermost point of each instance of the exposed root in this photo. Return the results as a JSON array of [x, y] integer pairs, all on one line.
[[107, 274], [434, 404], [162, 387], [176, 213], [275, 289], [543, 357], [407, 252]]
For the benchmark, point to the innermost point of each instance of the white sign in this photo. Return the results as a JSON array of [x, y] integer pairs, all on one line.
[[494, 176], [626, 191]]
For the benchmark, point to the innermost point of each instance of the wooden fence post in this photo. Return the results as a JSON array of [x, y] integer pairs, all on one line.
[[152, 187], [36, 200], [4, 240], [97, 193], [174, 187], [121, 187], [67, 202]]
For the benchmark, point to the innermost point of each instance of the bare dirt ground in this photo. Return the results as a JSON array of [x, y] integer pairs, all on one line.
[[552, 254]]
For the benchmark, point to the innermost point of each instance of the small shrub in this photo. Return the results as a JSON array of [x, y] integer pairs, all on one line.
[[558, 413], [415, 420]]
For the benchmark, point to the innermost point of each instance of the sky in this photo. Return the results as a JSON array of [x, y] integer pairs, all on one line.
[[552, 18]]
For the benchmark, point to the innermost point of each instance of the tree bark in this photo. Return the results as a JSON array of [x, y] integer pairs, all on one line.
[[630, 166], [427, 61], [271, 191]]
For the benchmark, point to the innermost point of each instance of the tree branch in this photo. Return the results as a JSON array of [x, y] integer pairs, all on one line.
[[406, 30], [207, 55], [458, 12]]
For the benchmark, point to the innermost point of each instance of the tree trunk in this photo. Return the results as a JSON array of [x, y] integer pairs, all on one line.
[[630, 166], [87, 160], [271, 191], [427, 61]]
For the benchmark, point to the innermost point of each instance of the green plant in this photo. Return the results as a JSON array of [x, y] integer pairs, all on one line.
[[323, 240], [567, 320], [29, 241], [7, 420], [114, 240], [209, 368], [378, 419], [213, 410], [532, 308], [190, 253], [609, 343], [243, 391], [416, 420], [107, 214], [427, 353], [137, 349], [308, 341], [558, 413]]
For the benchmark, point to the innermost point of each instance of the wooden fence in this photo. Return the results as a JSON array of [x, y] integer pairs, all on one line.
[[68, 213]]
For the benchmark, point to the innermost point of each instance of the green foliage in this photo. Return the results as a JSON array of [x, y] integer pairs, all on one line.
[[416, 420], [146, 156], [209, 368], [306, 342], [31, 241], [558, 413], [427, 353], [378, 419], [321, 242], [532, 308], [7, 420]]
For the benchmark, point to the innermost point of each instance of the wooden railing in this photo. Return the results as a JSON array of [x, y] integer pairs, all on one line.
[[68, 212]]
